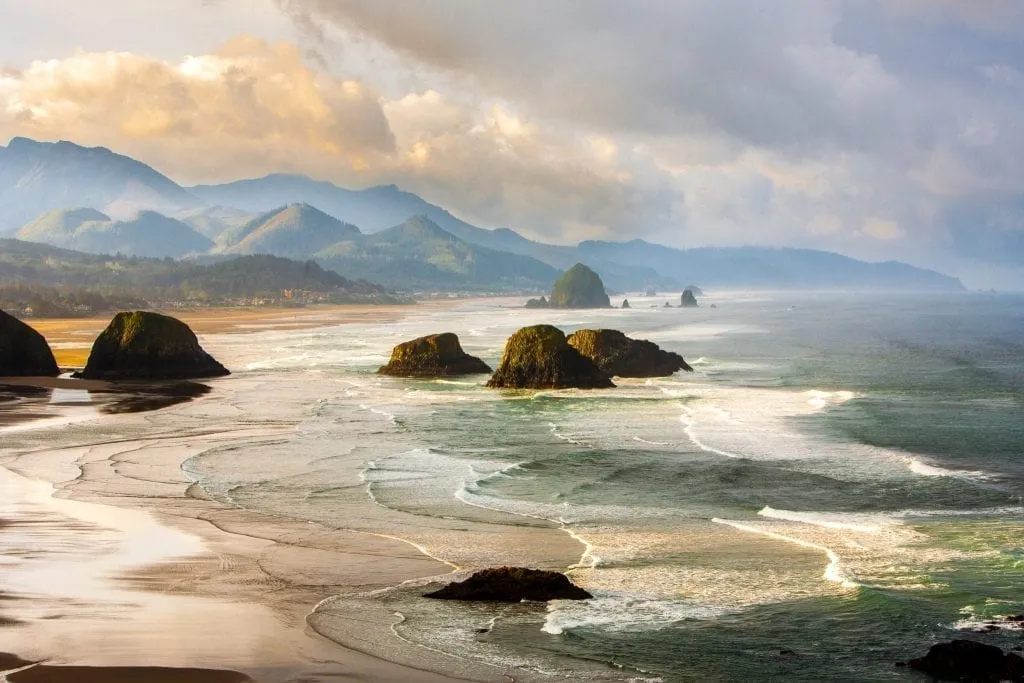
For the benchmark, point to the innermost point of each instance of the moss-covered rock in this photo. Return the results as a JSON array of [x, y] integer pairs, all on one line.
[[619, 356], [144, 345], [512, 584], [437, 355], [539, 357], [579, 287], [23, 351]]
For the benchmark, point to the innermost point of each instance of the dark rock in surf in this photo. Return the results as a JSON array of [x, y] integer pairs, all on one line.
[[619, 356], [23, 351], [625, 304], [538, 303], [512, 584], [436, 355], [539, 357], [688, 299], [149, 346], [968, 660]]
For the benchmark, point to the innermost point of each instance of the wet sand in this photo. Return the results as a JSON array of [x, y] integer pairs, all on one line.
[[116, 567]]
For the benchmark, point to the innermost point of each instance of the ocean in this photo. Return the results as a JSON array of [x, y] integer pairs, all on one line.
[[835, 488]]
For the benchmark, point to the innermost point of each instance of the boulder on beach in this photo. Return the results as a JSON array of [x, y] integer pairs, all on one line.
[[151, 346], [436, 355], [539, 357], [619, 356], [512, 584], [688, 299], [968, 660], [579, 287], [23, 351]]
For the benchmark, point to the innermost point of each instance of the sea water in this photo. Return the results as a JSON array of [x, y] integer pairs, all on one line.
[[836, 487]]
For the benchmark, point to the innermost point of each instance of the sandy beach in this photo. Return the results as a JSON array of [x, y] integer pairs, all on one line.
[[116, 567]]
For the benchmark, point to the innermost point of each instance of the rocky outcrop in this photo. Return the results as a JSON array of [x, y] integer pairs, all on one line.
[[697, 291], [512, 584], [537, 303], [625, 304], [437, 355], [688, 299], [144, 345], [23, 351], [619, 356], [968, 660], [539, 357], [579, 287]]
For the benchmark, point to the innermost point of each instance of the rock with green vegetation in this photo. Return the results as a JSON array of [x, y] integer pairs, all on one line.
[[619, 356], [23, 351], [512, 584], [437, 355], [539, 357], [145, 345], [688, 299], [579, 287]]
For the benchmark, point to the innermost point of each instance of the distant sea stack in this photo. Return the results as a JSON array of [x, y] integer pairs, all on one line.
[[436, 355], [149, 346], [688, 299], [23, 351], [539, 357], [697, 291], [619, 356], [625, 304], [512, 584], [579, 287]]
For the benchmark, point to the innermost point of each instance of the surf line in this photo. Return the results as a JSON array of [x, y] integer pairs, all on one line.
[[833, 572]]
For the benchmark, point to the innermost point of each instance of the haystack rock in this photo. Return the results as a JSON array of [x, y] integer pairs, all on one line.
[[539, 357], [437, 355], [144, 345], [688, 299], [23, 351], [579, 287], [619, 356], [512, 584]]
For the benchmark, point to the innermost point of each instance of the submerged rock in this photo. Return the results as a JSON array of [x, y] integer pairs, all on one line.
[[619, 356], [437, 355], [23, 351], [539, 357], [579, 287], [512, 584], [968, 660], [688, 299], [145, 345]]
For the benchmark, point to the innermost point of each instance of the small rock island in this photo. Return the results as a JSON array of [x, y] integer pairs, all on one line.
[[688, 299], [539, 357], [512, 584], [579, 287], [149, 346], [23, 351], [436, 355], [619, 356]]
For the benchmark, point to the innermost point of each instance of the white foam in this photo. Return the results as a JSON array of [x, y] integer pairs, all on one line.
[[621, 612], [917, 466], [827, 520], [833, 572]]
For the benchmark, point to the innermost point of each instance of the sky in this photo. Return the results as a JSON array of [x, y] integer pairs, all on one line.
[[881, 129]]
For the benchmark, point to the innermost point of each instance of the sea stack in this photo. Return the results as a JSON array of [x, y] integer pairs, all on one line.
[[512, 584], [619, 356], [23, 351], [579, 287], [539, 357], [149, 346], [436, 355], [625, 304], [688, 299]]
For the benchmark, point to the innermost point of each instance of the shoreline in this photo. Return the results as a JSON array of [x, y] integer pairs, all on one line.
[[251, 572]]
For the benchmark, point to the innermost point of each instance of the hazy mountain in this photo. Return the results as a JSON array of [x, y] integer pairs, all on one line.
[[211, 221], [768, 267], [418, 254], [37, 177], [296, 231], [87, 230]]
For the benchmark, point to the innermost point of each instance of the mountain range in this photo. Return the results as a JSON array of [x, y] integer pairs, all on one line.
[[94, 200]]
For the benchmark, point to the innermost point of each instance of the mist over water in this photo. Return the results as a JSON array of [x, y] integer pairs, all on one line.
[[840, 478]]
